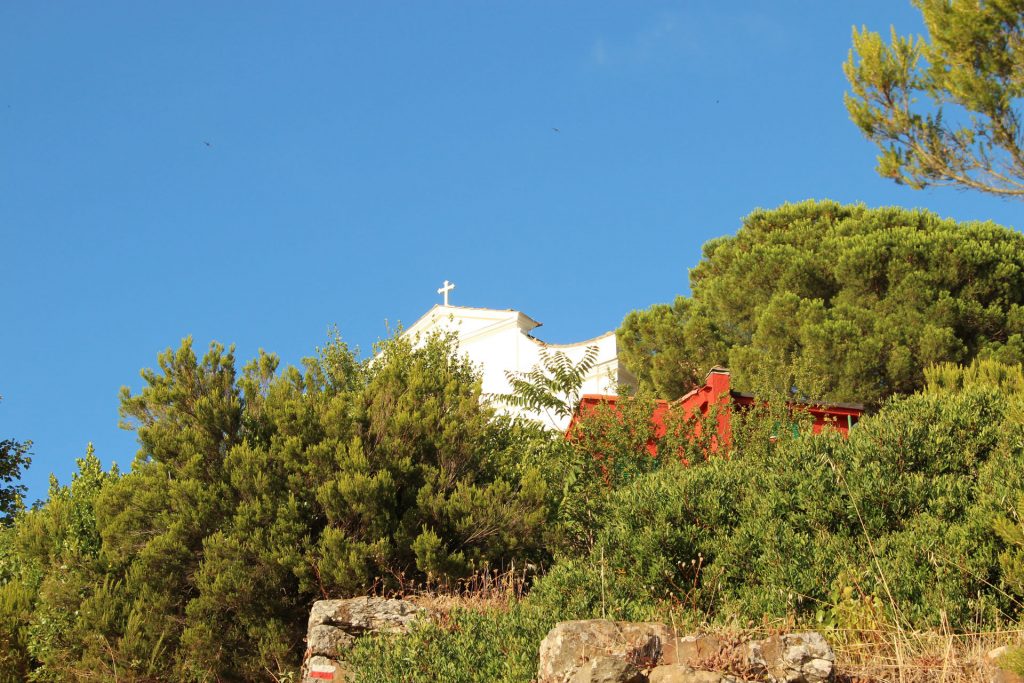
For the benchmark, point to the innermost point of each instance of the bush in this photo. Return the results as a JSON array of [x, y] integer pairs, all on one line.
[[498, 645], [254, 494], [900, 515]]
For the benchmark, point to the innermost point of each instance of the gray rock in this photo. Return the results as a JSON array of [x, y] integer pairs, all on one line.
[[680, 673], [993, 655], [570, 644], [1001, 674], [334, 624], [608, 670], [793, 658], [327, 640], [357, 616], [691, 650]]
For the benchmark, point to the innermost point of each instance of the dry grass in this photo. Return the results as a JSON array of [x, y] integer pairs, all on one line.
[[918, 656], [482, 590]]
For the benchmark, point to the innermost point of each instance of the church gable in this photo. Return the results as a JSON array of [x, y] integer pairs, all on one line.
[[471, 323], [500, 341]]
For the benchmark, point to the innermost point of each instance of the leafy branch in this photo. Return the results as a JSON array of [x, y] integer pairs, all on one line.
[[552, 386]]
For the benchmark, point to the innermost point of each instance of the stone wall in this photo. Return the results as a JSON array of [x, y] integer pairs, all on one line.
[[599, 651]]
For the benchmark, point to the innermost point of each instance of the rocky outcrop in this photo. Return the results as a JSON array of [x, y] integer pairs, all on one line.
[[608, 670], [582, 651], [570, 644], [1001, 674], [793, 658], [334, 624], [680, 673]]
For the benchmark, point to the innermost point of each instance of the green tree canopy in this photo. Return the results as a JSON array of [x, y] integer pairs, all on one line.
[[970, 72], [255, 492], [836, 302], [14, 457]]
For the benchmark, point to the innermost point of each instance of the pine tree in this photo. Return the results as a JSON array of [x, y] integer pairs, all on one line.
[[837, 303], [968, 71]]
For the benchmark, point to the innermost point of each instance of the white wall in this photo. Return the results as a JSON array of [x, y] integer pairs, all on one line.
[[496, 341]]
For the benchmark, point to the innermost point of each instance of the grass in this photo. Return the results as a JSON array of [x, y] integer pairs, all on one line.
[[486, 628], [918, 656]]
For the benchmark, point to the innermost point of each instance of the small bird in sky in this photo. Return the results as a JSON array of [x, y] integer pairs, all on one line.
[[556, 130], [207, 143]]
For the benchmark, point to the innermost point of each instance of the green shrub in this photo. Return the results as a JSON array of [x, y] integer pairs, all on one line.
[[254, 494], [655, 545], [15, 615], [899, 515], [497, 645]]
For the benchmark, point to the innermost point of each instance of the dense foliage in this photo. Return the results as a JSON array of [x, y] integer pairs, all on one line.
[[914, 522], [911, 518], [14, 457], [836, 302], [258, 491], [945, 110], [253, 495], [201, 562]]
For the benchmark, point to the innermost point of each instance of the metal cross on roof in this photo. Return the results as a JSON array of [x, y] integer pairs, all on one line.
[[448, 286]]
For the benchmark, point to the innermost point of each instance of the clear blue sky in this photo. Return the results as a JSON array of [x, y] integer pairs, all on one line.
[[361, 153]]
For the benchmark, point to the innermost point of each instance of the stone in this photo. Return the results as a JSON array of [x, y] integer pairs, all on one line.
[[607, 670], [691, 650], [570, 644], [1001, 674], [670, 673], [334, 624], [993, 655], [680, 673], [356, 616], [319, 669], [327, 640], [793, 658]]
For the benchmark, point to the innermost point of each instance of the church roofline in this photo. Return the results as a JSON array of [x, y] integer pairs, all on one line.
[[574, 344], [525, 321]]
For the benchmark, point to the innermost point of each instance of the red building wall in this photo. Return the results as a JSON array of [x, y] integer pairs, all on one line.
[[717, 392]]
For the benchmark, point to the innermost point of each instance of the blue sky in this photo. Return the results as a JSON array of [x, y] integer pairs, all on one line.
[[361, 153]]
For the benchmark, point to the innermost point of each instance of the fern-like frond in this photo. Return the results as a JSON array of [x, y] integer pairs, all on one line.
[[552, 385]]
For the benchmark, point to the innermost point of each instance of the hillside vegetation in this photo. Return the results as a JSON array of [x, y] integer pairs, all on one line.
[[844, 303], [258, 490]]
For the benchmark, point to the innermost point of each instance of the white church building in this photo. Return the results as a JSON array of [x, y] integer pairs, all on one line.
[[497, 341]]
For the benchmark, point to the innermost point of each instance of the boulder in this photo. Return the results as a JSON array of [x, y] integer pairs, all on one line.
[[1001, 674], [327, 640], [334, 624], [608, 670], [356, 616], [692, 651], [570, 644], [793, 658], [680, 673], [578, 651]]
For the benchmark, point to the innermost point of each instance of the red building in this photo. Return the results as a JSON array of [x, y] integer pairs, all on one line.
[[717, 393]]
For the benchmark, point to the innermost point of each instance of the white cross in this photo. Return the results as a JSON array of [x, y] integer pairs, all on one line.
[[444, 291]]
